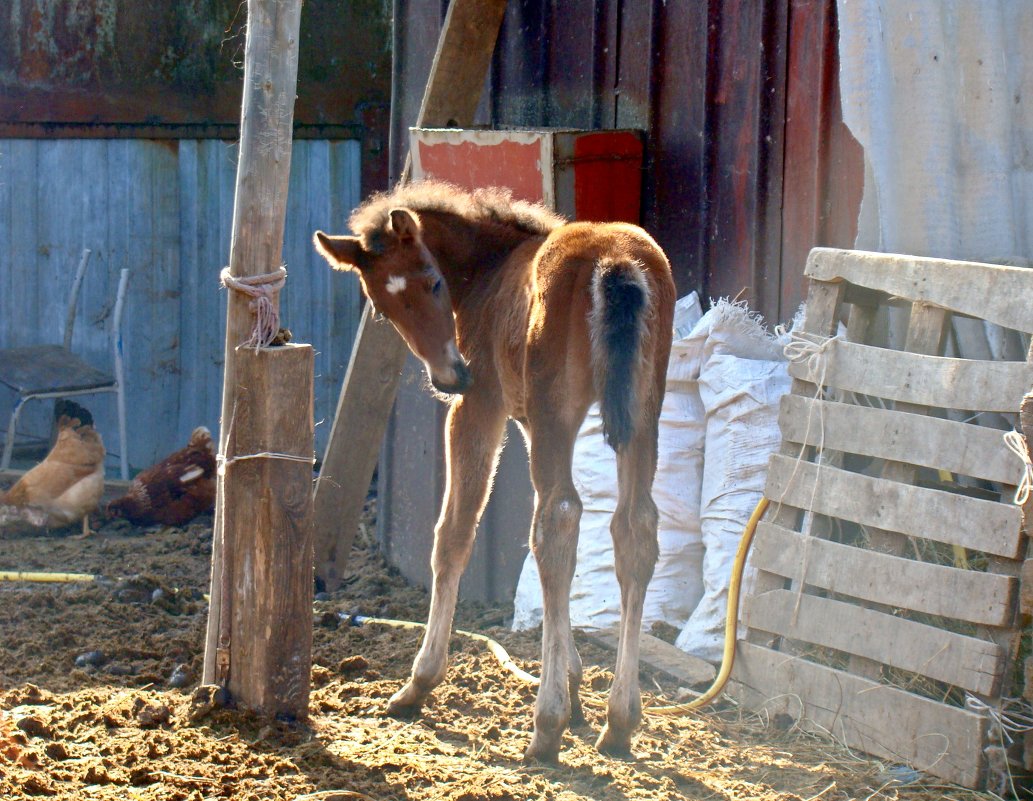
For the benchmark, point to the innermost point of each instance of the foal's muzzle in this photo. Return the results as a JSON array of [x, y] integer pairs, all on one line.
[[459, 383]]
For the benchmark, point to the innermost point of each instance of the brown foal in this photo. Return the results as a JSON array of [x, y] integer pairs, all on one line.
[[518, 314]]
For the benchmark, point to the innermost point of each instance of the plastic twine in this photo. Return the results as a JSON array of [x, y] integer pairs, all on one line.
[[1017, 444]]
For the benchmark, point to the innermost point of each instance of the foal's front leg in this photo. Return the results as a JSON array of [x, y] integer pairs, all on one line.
[[473, 433]]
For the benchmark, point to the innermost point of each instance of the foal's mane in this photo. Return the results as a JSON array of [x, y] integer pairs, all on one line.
[[493, 205]]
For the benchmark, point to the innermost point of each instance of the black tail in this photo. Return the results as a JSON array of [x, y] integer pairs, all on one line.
[[620, 296]]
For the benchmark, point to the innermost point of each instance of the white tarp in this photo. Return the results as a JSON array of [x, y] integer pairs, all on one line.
[[940, 95]]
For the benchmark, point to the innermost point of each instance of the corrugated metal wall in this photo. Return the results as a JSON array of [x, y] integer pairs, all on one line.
[[163, 209]]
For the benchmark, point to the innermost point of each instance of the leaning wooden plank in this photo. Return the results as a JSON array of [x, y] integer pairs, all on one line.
[[884, 721], [972, 596], [961, 448], [662, 656], [936, 381], [995, 293], [967, 662], [916, 511], [352, 450]]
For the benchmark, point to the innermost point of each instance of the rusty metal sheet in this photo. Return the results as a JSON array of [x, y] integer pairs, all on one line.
[[824, 164], [140, 66]]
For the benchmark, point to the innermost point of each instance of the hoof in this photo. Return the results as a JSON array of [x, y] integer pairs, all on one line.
[[538, 753], [406, 703], [613, 745]]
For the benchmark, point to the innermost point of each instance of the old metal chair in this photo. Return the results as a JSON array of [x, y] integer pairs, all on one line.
[[38, 372]]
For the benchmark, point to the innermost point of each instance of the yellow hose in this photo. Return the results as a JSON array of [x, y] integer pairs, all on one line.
[[23, 575], [495, 647], [731, 623]]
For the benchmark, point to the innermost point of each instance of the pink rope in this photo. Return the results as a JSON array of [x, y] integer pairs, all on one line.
[[260, 288]]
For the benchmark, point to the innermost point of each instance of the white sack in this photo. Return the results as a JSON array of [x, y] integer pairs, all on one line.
[[742, 376], [677, 580]]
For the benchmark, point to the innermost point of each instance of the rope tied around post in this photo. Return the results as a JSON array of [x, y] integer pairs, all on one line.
[[261, 289]]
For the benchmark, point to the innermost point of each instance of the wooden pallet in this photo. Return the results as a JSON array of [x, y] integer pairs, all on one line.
[[889, 558]]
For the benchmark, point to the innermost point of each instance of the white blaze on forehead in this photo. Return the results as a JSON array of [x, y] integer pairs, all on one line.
[[395, 284]]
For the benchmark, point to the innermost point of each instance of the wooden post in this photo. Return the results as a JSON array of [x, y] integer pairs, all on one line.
[[453, 91], [257, 604], [268, 518], [1026, 574]]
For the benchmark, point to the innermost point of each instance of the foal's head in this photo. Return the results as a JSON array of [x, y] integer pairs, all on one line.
[[402, 280]]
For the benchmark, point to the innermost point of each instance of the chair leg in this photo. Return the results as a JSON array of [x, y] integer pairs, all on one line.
[[5, 462], [123, 446]]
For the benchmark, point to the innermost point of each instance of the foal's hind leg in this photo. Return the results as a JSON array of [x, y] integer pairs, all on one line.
[[473, 434], [633, 527], [554, 535]]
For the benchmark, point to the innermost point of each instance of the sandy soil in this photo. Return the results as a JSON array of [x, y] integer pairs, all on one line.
[[98, 700]]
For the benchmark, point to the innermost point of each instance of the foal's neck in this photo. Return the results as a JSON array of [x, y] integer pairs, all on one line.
[[469, 253]]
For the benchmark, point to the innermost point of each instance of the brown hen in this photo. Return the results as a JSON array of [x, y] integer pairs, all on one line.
[[67, 485], [175, 490]]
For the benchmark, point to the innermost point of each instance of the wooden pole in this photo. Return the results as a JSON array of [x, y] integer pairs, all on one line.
[[454, 87], [261, 517]]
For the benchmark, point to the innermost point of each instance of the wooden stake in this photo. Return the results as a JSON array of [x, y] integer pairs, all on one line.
[[453, 91], [263, 170]]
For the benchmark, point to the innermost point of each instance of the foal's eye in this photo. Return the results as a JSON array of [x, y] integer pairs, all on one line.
[[436, 289]]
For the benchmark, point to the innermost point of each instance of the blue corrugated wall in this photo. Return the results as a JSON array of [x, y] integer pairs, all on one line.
[[163, 209]]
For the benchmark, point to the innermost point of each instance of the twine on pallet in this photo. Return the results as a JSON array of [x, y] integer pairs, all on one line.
[[813, 354], [261, 289], [1013, 718], [1017, 444]]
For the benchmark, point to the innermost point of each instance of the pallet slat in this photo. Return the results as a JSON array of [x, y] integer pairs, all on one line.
[[967, 662], [880, 503], [937, 381], [982, 598], [961, 448], [990, 292], [881, 720]]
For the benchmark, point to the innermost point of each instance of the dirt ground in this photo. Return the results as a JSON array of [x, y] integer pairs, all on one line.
[[98, 700]]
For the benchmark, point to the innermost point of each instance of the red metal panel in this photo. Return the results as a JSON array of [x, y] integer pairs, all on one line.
[[608, 176]]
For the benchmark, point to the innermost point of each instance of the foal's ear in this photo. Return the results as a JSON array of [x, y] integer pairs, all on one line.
[[343, 252], [404, 224]]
